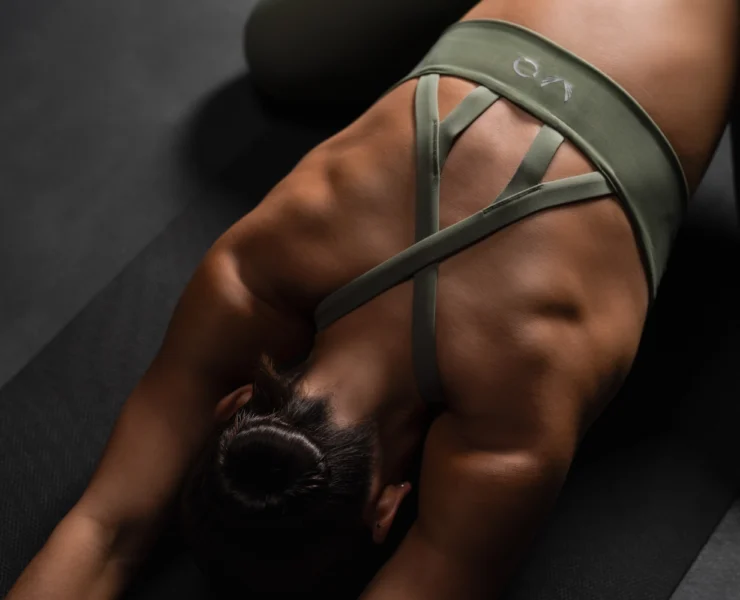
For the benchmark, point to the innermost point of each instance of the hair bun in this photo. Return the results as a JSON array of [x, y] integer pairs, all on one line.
[[270, 464]]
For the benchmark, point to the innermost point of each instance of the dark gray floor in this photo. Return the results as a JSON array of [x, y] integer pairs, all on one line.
[[96, 98], [131, 141], [716, 573]]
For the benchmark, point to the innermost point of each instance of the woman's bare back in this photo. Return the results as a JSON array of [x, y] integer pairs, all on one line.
[[349, 205]]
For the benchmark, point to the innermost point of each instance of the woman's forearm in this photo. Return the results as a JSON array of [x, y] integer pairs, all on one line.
[[77, 562]]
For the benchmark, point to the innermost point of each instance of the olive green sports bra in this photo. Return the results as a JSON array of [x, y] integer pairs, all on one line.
[[635, 163]]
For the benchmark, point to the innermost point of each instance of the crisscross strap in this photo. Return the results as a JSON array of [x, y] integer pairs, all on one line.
[[535, 163], [462, 116], [433, 145], [428, 165], [529, 173], [434, 142], [523, 196], [457, 237], [428, 169]]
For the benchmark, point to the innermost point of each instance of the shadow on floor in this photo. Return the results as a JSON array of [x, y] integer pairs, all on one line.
[[680, 380], [237, 143]]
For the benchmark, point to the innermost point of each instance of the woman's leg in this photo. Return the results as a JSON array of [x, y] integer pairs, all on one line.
[[340, 54]]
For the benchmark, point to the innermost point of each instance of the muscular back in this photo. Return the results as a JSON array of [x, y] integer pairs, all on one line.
[[548, 311], [510, 306]]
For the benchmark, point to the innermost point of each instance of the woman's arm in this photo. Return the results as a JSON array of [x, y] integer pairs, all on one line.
[[98, 544], [478, 511], [216, 335], [77, 561]]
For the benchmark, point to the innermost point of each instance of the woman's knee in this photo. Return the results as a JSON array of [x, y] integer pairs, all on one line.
[[333, 53], [274, 64], [295, 52]]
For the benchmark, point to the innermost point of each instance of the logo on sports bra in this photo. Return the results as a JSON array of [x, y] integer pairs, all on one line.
[[529, 69]]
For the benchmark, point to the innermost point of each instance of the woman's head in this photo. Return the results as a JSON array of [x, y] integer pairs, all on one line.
[[282, 496]]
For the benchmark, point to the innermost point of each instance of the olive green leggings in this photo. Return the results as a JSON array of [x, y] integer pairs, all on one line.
[[340, 53]]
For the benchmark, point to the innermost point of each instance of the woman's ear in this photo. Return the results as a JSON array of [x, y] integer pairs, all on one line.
[[227, 406], [386, 509]]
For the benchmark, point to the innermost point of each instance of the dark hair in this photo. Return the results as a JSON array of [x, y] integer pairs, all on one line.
[[275, 501]]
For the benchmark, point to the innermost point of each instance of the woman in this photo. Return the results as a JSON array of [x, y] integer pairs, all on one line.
[[478, 249]]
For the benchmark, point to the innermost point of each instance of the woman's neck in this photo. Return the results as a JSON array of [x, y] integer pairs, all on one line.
[[362, 383], [358, 377]]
